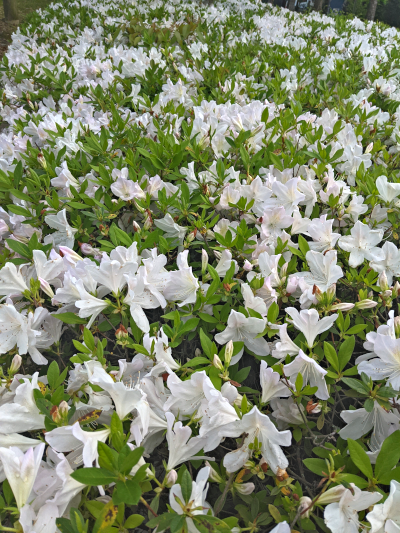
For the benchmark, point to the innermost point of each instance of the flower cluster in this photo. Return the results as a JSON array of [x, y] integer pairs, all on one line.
[[199, 270]]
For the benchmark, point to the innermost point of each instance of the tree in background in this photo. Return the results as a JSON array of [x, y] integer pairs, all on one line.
[[10, 10], [371, 9]]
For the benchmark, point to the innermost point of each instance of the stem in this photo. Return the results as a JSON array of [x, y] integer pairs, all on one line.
[[221, 500], [146, 505]]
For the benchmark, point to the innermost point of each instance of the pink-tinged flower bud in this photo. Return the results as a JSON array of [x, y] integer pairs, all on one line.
[[15, 364], [396, 288], [342, 307], [247, 266], [69, 254], [217, 362], [86, 249], [228, 352], [305, 506], [292, 284], [383, 281], [45, 286], [366, 304], [204, 261], [171, 478], [136, 226], [244, 488]]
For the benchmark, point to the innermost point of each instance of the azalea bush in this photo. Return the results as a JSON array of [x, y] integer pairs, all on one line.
[[199, 225]]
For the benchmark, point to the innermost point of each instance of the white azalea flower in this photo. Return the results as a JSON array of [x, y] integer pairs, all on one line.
[[180, 444], [242, 329], [385, 517], [88, 304], [361, 243], [182, 284], [320, 230], [324, 271], [390, 264], [271, 385], [12, 282], [311, 371], [21, 470], [127, 190], [308, 322], [343, 515], [22, 414], [256, 425], [387, 363], [387, 191], [360, 422]]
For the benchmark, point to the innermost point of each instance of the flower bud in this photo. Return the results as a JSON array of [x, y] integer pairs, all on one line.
[[228, 352], [214, 476], [190, 238], [204, 261], [42, 161], [217, 362], [244, 488], [369, 148], [121, 332], [305, 503], [136, 226], [342, 307], [171, 478], [86, 249], [284, 270], [217, 254], [292, 284], [45, 286], [397, 326], [396, 288], [247, 266], [383, 281], [366, 304], [331, 495], [15, 364], [63, 409], [147, 223], [331, 292]]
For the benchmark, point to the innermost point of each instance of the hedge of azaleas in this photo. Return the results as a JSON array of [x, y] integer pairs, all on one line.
[[199, 225]]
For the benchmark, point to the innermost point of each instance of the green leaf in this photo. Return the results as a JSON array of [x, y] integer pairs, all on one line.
[[106, 518], [331, 356], [186, 486], [69, 318], [389, 455], [318, 466], [131, 460], [356, 385], [360, 458], [392, 475], [133, 521], [303, 245], [345, 352], [127, 492], [52, 374], [210, 524], [108, 458], [94, 476]]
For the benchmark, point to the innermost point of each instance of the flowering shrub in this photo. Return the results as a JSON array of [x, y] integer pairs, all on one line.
[[199, 225]]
